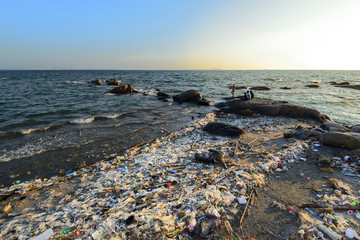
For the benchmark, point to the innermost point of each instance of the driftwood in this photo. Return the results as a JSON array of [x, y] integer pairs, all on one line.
[[243, 215]]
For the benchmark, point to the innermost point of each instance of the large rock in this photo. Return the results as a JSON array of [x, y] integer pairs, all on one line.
[[357, 87], [260, 88], [188, 96], [348, 140], [270, 107], [223, 129], [112, 81], [312, 86], [356, 128], [124, 89]]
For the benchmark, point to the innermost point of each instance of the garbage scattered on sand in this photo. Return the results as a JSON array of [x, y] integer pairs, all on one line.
[[187, 183]]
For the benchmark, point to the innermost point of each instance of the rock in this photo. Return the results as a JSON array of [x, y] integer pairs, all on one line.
[[286, 88], [270, 107], [340, 84], [259, 88], [333, 127], [125, 89], [356, 128], [295, 111], [212, 156], [112, 81], [162, 94], [188, 96], [223, 129], [312, 86], [357, 87], [346, 140], [97, 82], [204, 102]]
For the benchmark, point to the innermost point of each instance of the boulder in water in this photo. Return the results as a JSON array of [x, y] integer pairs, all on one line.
[[188, 96], [112, 81], [260, 88], [124, 89], [312, 86]]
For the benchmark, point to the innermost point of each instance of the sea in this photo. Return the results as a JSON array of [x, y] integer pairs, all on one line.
[[54, 121]]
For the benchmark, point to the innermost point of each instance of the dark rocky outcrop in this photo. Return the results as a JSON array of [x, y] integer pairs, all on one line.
[[112, 81], [124, 89], [356, 128], [223, 129], [162, 94], [347, 140], [286, 88], [97, 82], [312, 86], [340, 84], [260, 88], [333, 127], [357, 87], [188, 96], [270, 107]]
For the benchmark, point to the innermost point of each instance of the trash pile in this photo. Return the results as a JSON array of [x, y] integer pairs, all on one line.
[[336, 212], [184, 184]]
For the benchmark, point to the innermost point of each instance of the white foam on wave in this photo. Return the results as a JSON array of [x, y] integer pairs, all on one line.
[[74, 82], [82, 120], [32, 130]]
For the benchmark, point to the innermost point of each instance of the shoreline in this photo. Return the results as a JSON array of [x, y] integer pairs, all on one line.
[[157, 188]]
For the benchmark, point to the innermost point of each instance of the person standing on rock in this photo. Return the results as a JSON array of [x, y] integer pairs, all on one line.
[[251, 94], [233, 90], [248, 95]]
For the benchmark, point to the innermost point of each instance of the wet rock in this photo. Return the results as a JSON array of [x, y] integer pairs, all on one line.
[[333, 127], [312, 86], [97, 82], [340, 84], [286, 88], [125, 89], [204, 102], [357, 87], [188, 96], [356, 128], [112, 81], [260, 88], [346, 140], [162, 94], [223, 129], [270, 107]]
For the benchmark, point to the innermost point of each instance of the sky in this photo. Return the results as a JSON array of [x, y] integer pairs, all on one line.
[[180, 34]]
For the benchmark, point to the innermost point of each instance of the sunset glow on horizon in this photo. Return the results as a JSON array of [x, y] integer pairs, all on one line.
[[180, 35]]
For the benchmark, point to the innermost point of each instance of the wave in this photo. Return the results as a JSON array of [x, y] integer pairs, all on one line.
[[23, 132], [95, 118], [274, 79], [344, 101], [82, 120], [74, 82]]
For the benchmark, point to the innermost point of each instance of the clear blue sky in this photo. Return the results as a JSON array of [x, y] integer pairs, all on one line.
[[186, 34]]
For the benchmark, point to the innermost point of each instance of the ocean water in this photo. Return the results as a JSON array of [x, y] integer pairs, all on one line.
[[54, 120]]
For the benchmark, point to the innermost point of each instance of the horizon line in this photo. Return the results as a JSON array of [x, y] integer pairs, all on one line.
[[88, 69]]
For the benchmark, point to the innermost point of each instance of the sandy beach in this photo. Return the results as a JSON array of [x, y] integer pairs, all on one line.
[[265, 186]]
